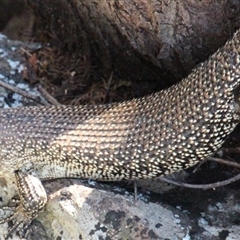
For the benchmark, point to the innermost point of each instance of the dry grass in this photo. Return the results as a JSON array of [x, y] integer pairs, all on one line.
[[71, 79]]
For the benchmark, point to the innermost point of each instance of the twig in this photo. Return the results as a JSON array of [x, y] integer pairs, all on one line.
[[211, 185], [107, 86], [202, 186], [23, 93], [199, 165], [135, 191], [229, 163], [48, 96]]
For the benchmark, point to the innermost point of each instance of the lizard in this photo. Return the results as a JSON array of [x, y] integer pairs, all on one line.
[[142, 138]]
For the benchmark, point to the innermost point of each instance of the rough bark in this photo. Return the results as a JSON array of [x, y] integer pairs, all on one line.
[[138, 39], [8, 9], [16, 19]]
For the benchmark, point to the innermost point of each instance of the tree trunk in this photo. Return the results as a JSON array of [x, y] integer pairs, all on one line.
[[159, 40]]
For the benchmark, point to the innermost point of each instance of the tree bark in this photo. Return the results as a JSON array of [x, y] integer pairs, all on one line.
[[159, 40]]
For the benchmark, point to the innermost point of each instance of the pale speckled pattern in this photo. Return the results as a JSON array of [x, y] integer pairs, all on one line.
[[143, 138]]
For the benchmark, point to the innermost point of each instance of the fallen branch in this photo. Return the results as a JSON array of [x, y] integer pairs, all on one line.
[[202, 186], [211, 185], [23, 93], [48, 96], [226, 162]]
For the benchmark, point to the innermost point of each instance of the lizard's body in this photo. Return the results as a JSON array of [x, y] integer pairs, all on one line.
[[142, 138]]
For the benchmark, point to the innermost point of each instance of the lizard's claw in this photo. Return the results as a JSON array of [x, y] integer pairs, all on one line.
[[33, 198], [21, 221]]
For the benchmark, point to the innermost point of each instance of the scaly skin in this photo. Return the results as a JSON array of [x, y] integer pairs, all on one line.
[[142, 138]]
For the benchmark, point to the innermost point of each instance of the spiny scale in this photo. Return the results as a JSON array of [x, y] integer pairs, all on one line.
[[143, 138]]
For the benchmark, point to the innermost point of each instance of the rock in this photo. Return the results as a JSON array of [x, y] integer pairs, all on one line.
[[81, 212]]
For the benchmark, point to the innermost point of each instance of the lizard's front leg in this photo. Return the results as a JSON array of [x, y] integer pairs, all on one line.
[[33, 199]]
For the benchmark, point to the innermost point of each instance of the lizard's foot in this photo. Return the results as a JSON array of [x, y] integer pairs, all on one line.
[[19, 218], [22, 212]]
